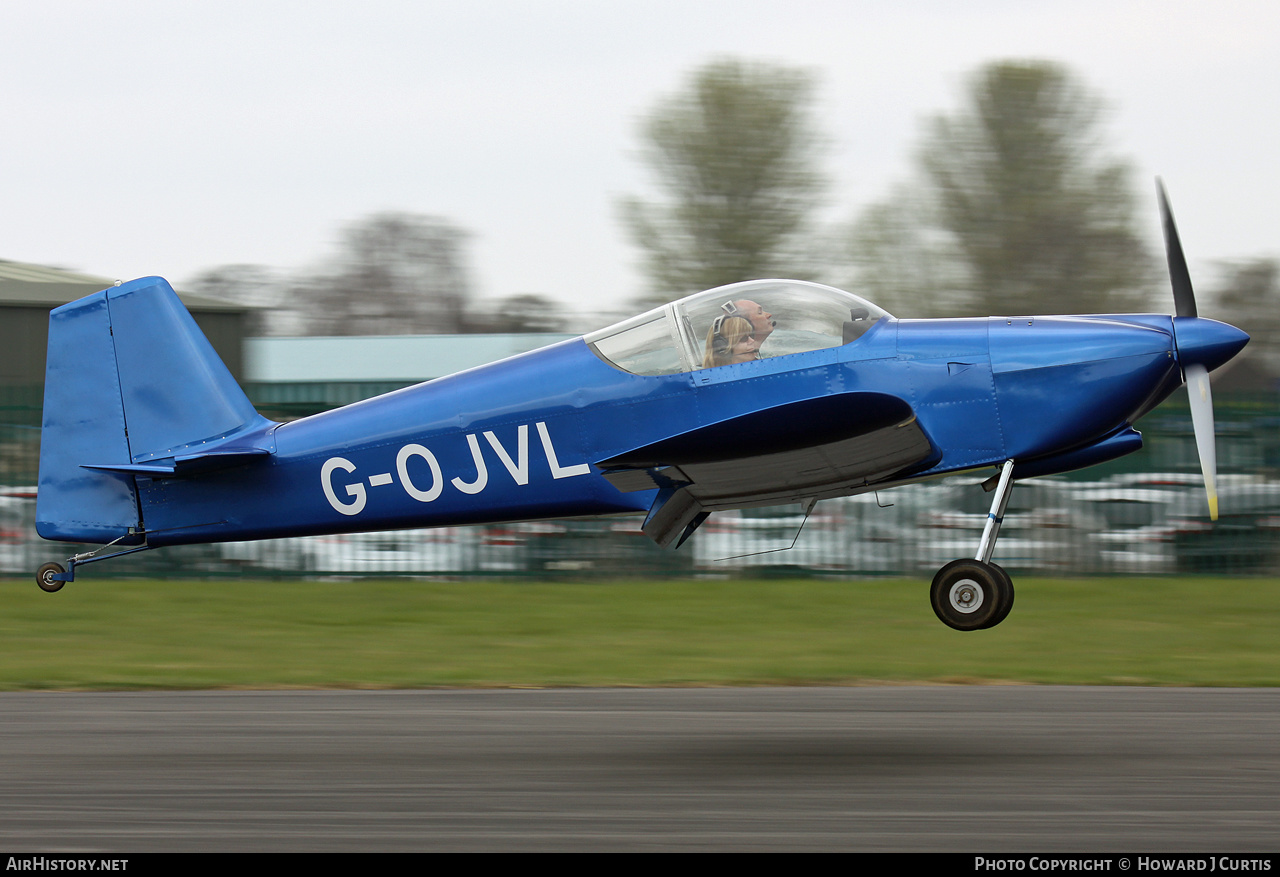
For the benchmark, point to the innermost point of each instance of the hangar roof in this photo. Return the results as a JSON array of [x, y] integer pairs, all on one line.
[[43, 286], [406, 358]]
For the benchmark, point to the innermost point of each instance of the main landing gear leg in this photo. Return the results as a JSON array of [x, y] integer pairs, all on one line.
[[977, 594]]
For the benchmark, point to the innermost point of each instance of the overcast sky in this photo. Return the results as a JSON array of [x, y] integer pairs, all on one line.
[[145, 137]]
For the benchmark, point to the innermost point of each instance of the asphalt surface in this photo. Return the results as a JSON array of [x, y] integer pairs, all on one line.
[[940, 769]]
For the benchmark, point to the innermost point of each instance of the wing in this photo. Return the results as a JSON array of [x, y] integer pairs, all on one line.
[[810, 449]]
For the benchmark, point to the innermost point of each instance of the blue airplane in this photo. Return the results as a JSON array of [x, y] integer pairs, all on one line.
[[759, 393]]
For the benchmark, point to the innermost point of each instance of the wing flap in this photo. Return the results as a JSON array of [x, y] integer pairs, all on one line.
[[675, 513]]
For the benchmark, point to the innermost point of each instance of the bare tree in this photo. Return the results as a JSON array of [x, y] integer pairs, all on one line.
[[256, 287], [395, 274]]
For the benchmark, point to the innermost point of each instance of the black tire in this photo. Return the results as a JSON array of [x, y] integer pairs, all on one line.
[[970, 594], [44, 577], [1006, 604]]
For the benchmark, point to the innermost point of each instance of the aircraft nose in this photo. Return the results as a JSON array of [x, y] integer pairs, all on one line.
[[1206, 342]]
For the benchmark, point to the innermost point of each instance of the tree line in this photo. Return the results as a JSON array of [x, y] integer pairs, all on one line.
[[1014, 205]]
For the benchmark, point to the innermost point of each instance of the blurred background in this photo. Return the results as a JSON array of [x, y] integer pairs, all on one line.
[[355, 198]]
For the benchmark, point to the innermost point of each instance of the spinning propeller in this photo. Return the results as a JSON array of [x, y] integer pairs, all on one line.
[[1202, 345]]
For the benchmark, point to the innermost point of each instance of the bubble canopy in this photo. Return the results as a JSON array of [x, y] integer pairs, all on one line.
[[676, 337]]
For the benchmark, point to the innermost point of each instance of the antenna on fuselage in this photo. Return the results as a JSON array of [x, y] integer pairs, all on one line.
[[808, 509]]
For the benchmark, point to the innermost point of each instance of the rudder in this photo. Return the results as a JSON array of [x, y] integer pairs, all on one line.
[[83, 420]]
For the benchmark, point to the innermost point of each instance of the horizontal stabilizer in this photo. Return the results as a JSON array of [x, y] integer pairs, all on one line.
[[187, 464]]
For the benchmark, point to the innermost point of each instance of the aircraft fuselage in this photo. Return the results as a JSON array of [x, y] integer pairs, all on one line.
[[518, 439]]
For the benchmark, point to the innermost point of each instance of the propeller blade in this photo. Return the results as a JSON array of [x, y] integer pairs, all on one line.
[[1202, 419], [1184, 299]]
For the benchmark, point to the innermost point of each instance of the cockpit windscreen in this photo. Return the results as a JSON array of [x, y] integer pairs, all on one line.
[[759, 319]]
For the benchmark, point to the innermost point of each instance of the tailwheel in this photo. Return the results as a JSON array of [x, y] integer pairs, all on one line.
[[971, 594], [47, 577]]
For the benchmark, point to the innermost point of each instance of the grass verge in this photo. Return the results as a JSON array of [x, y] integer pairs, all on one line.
[[113, 634]]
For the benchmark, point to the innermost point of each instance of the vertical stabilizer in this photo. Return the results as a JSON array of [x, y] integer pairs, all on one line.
[[132, 386], [178, 394]]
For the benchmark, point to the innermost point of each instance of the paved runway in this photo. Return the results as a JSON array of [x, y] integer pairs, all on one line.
[[957, 769]]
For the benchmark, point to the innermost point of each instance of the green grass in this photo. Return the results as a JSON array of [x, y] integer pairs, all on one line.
[[111, 634]]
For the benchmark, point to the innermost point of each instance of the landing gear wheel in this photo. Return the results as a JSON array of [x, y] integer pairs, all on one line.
[[1007, 603], [971, 595], [45, 577]]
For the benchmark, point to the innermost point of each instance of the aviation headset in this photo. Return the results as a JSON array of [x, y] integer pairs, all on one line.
[[719, 343]]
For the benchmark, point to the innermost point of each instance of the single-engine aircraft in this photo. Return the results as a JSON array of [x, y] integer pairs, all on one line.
[[675, 414]]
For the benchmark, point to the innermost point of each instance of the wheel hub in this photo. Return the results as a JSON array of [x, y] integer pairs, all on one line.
[[966, 596]]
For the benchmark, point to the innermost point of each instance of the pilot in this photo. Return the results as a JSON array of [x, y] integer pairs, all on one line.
[[730, 340], [762, 322]]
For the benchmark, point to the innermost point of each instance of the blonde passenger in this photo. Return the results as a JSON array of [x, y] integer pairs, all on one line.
[[731, 340]]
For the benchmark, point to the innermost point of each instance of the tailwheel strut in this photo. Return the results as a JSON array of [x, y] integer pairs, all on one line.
[[52, 576]]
